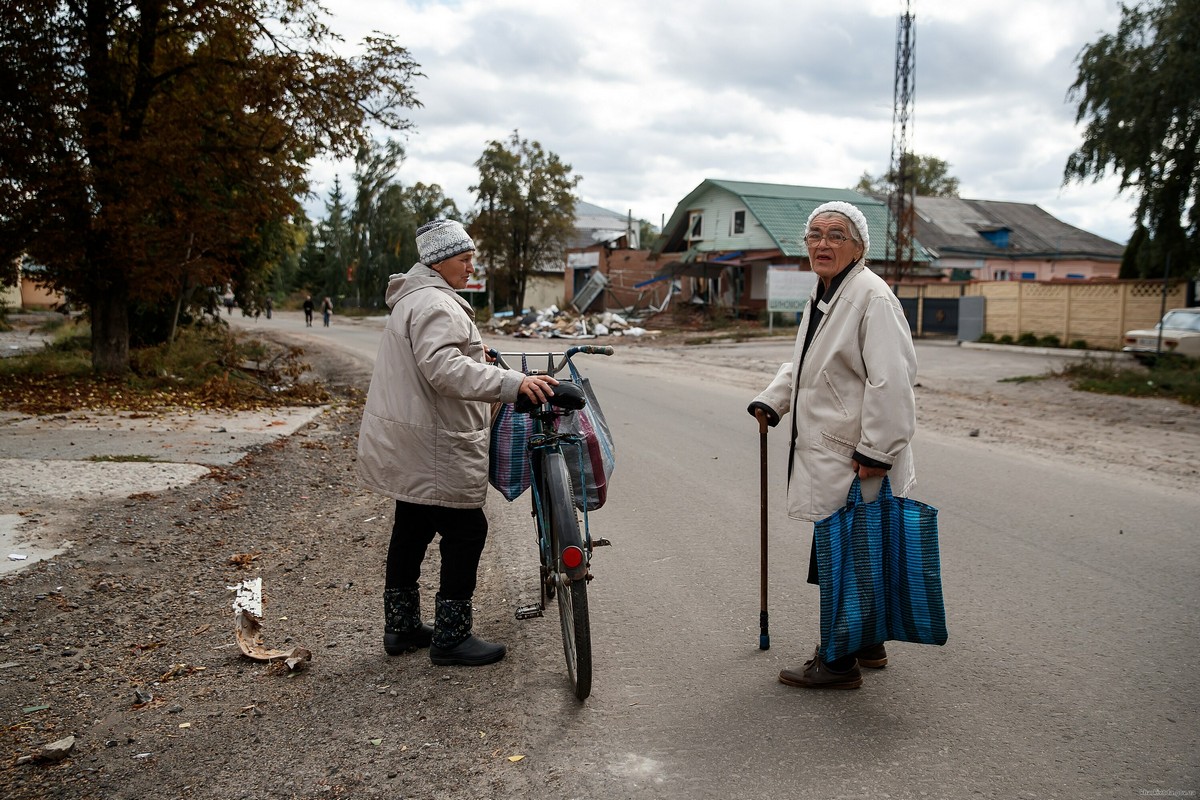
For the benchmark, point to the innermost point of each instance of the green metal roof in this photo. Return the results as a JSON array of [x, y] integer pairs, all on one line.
[[782, 210]]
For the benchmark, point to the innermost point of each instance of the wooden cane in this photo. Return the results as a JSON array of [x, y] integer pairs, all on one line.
[[764, 635]]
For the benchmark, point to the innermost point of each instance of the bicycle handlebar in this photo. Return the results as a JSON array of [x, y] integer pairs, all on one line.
[[552, 367]]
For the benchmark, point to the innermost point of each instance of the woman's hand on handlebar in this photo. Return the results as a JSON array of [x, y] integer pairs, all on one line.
[[538, 388]]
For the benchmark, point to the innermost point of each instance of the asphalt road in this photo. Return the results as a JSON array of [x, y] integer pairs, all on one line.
[[1071, 595]]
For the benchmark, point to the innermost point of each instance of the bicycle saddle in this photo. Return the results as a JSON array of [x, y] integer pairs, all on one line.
[[567, 395]]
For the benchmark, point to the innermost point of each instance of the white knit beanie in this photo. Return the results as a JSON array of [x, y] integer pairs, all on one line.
[[442, 239], [851, 213]]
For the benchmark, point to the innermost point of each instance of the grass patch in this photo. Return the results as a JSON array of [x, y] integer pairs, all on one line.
[[1177, 379], [1024, 379], [206, 367]]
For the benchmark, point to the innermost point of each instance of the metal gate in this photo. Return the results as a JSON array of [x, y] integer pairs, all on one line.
[[940, 315]]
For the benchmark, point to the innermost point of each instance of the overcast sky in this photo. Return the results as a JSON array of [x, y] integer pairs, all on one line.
[[647, 99]]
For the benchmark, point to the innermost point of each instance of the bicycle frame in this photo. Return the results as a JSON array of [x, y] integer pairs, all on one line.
[[564, 551], [544, 441]]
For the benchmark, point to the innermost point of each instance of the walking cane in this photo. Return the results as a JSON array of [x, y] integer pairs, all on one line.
[[764, 636]]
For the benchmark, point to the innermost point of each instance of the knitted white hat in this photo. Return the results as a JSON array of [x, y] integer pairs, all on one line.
[[850, 212], [442, 239]]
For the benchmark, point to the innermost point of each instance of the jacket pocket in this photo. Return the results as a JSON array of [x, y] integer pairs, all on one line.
[[462, 462], [833, 395], [837, 444]]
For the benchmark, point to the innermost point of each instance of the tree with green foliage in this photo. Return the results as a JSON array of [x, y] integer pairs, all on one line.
[[525, 215], [329, 249], [357, 247], [927, 176], [408, 208], [370, 221], [1139, 93], [647, 235], [152, 150]]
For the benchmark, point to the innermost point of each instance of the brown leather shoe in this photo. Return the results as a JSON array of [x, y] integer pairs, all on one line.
[[816, 675], [873, 657]]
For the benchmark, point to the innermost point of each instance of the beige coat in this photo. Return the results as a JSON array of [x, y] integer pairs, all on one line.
[[854, 392], [426, 425]]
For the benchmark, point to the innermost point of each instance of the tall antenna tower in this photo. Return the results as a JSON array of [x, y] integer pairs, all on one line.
[[902, 197]]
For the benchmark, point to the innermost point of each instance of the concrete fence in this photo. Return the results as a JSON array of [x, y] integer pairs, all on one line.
[[1096, 312]]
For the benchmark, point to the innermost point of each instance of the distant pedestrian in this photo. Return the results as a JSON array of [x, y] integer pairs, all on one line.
[[326, 310], [270, 304], [229, 303], [308, 310]]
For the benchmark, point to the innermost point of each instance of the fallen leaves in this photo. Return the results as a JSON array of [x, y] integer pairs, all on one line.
[[243, 560]]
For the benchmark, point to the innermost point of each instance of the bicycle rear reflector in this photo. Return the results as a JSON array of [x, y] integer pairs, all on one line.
[[572, 557]]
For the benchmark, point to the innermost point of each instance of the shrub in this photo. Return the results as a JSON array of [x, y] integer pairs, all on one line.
[[1005, 339], [987, 337], [1027, 339], [1078, 344], [1049, 341]]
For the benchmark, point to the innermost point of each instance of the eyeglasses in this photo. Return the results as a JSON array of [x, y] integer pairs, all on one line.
[[835, 238]]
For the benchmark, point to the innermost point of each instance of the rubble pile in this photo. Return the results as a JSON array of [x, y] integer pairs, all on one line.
[[555, 323]]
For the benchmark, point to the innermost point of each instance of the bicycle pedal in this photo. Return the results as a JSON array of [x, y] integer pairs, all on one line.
[[601, 543], [529, 612]]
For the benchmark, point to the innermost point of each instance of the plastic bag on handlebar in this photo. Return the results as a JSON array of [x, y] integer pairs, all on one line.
[[508, 462], [590, 460]]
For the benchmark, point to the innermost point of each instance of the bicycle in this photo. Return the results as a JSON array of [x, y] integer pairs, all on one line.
[[565, 552]]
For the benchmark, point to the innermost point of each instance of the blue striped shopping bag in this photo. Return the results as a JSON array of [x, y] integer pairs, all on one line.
[[880, 574]]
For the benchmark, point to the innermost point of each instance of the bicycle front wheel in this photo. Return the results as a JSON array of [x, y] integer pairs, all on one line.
[[572, 595]]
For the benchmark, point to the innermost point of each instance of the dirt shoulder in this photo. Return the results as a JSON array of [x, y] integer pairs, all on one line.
[[125, 643]]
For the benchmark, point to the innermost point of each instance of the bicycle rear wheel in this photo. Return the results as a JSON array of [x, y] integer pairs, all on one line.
[[572, 595]]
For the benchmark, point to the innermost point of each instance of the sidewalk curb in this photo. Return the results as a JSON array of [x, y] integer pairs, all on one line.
[[1062, 352]]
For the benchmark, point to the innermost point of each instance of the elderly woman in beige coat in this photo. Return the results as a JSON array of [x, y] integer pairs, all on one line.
[[424, 442], [849, 387]]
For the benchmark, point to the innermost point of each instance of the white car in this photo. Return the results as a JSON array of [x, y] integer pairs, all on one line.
[[1180, 331]]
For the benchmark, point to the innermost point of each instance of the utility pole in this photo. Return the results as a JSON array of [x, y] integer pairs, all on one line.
[[902, 197]]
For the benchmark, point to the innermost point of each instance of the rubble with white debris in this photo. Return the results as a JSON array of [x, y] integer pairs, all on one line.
[[555, 323]]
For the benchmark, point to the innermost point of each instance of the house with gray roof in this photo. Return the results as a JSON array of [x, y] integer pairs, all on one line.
[[996, 241], [595, 225]]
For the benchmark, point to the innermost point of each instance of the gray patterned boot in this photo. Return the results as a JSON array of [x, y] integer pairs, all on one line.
[[453, 642], [403, 629]]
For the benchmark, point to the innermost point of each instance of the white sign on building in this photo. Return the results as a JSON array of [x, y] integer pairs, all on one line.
[[788, 288]]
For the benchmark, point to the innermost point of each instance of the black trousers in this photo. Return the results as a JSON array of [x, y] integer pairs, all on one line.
[[463, 532]]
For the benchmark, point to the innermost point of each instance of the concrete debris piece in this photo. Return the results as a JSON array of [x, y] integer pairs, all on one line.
[[57, 751], [555, 323], [247, 628]]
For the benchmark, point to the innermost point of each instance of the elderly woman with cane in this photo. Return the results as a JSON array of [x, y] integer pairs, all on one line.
[[849, 387]]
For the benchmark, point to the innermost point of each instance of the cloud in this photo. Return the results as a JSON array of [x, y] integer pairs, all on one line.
[[646, 100]]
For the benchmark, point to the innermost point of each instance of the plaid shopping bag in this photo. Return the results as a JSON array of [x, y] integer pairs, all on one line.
[[509, 470], [508, 460], [880, 573], [593, 457]]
